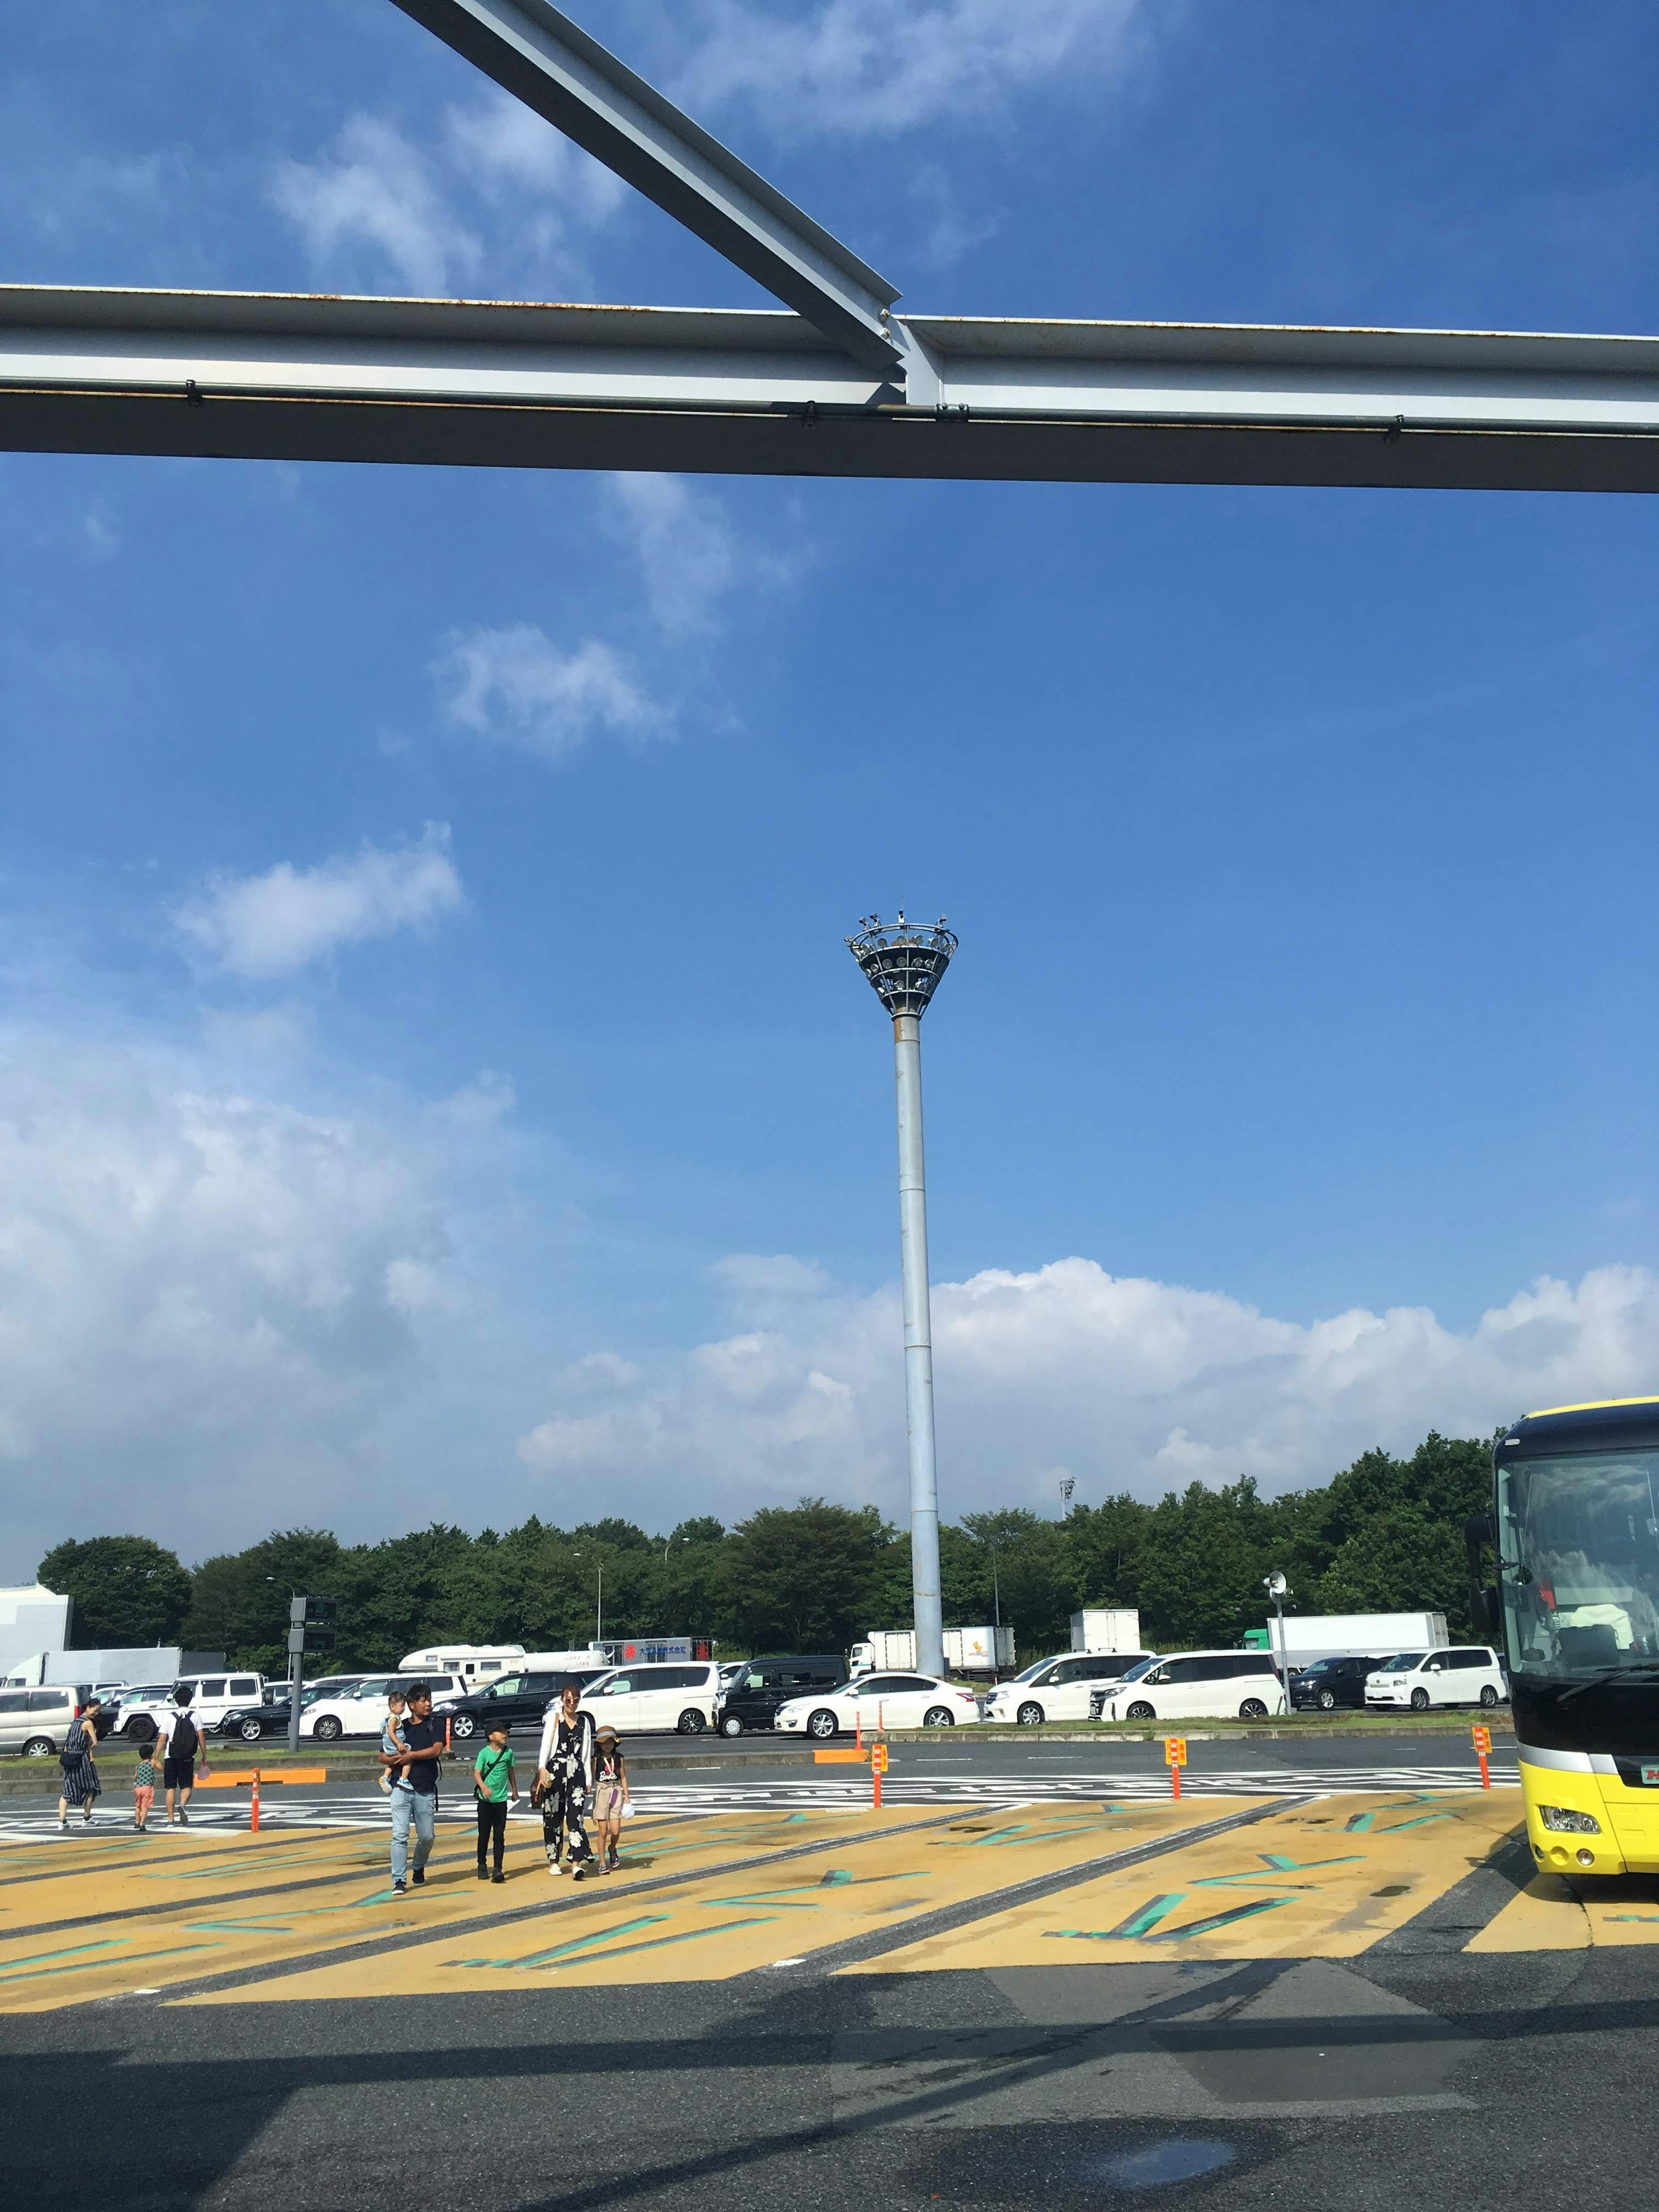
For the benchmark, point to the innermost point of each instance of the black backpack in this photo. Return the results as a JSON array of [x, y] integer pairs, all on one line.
[[182, 1743]]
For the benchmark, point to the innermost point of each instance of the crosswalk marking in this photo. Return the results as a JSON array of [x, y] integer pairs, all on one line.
[[809, 1791]]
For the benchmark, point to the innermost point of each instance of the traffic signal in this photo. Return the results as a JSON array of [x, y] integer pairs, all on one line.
[[319, 1619]]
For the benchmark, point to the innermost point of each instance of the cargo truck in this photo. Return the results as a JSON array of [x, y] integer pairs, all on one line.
[[986, 1651], [1312, 1635], [1107, 1629]]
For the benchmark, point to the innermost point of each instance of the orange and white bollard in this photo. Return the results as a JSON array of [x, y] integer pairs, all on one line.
[[1482, 1750], [254, 1823], [878, 1768], [1174, 1758]]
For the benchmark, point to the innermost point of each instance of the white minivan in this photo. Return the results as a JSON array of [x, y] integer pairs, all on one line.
[[640, 1698], [1462, 1674], [212, 1696], [1198, 1685], [1058, 1689]]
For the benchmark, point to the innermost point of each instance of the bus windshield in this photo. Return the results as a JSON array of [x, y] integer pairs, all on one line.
[[1578, 1560]]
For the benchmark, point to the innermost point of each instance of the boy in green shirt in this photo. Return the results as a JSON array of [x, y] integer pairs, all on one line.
[[494, 1785]]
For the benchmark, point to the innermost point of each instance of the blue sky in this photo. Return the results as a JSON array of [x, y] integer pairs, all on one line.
[[431, 1079]]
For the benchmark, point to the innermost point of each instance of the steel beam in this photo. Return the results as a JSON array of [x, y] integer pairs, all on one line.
[[551, 64], [513, 385]]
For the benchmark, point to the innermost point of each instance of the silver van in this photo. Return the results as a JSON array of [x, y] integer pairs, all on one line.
[[37, 1721]]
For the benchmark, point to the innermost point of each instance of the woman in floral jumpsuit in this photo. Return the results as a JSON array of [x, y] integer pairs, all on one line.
[[564, 1779]]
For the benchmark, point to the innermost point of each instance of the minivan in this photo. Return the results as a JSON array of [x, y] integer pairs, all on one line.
[[656, 1696], [212, 1697], [1462, 1675], [1194, 1685], [360, 1707], [1061, 1689], [763, 1684], [37, 1721]]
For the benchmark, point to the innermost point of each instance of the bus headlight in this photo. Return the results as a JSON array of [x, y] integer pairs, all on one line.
[[1568, 1822]]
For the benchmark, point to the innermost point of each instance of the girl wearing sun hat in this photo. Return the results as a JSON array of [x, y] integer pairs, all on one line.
[[610, 1795]]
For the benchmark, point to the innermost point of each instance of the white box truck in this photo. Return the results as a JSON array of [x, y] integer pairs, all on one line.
[[1311, 1636], [980, 1650], [967, 1651], [1106, 1628]]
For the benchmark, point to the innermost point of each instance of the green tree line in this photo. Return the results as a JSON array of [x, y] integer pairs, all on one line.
[[1384, 1535]]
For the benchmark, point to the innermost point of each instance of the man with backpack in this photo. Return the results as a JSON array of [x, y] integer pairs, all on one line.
[[180, 1740]]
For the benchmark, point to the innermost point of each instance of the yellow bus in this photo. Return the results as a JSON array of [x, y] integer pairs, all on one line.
[[1575, 1534]]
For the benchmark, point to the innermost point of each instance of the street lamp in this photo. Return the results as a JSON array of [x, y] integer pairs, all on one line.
[[902, 962], [1278, 1589], [598, 1608]]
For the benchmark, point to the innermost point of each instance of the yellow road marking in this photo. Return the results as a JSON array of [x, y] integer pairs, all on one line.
[[1324, 1881], [1551, 1914], [730, 1924]]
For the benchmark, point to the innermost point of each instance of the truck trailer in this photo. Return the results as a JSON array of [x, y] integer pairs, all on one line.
[[984, 1650], [1106, 1628], [1313, 1636]]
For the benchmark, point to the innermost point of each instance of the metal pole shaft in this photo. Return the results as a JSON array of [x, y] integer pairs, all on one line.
[[918, 1350], [296, 1668]]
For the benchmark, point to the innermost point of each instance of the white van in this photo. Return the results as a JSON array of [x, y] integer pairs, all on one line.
[[636, 1700], [212, 1696], [1198, 1685], [1058, 1689], [1462, 1674]]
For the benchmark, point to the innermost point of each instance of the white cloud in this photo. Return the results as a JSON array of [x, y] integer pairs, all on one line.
[[517, 686], [1126, 1383], [273, 924], [864, 66], [683, 543], [507, 151], [206, 1299], [375, 190]]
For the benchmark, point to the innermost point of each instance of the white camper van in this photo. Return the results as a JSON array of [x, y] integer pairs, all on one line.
[[475, 1664]]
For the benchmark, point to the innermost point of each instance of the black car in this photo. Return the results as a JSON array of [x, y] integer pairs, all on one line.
[[1331, 1682], [518, 1700], [754, 1698], [250, 1723]]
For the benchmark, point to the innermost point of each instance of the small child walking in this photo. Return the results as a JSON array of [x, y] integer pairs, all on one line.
[[143, 1787], [610, 1796], [495, 1783]]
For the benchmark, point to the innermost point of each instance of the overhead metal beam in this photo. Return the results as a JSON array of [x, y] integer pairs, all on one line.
[[551, 64], [508, 385]]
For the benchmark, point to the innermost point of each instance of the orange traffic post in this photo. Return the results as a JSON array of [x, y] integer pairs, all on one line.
[[1482, 1748], [878, 1768], [1174, 1758]]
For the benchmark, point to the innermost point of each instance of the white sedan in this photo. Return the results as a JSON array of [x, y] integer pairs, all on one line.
[[878, 1701]]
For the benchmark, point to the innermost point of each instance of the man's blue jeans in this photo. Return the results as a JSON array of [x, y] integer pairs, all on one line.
[[421, 1807]]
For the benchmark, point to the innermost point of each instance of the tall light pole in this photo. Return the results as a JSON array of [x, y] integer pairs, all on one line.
[[1278, 1589], [903, 961]]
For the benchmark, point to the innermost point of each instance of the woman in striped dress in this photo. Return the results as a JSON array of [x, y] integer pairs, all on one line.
[[81, 1783]]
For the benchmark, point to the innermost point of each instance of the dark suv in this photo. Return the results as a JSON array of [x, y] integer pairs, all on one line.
[[753, 1699], [1331, 1682], [518, 1700]]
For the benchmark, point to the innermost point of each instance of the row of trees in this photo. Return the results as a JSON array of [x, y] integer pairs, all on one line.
[[1384, 1535]]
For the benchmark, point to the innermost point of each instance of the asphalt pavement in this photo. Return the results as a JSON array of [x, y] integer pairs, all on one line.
[[1403, 2064]]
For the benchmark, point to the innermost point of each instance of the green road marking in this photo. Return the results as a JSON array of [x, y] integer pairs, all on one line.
[[1215, 1920], [1423, 1820], [835, 1878], [1276, 1868], [576, 1943], [656, 1942], [810, 1889], [1633, 1915], [1141, 1926], [73, 1951], [138, 1958]]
